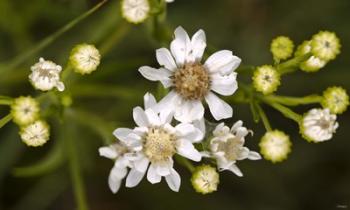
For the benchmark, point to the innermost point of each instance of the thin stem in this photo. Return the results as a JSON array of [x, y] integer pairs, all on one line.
[[295, 101], [264, 118], [48, 40], [5, 120], [75, 171], [5, 101], [186, 163], [287, 112], [292, 64]]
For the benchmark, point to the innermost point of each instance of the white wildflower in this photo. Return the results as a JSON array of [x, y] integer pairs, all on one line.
[[227, 147], [190, 81], [46, 75], [156, 141], [318, 125]]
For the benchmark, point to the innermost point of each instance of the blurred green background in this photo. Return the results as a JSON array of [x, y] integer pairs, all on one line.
[[315, 176]]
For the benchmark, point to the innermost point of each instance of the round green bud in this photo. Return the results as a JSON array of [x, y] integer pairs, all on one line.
[[84, 58], [25, 110], [313, 64], [325, 45], [266, 79], [335, 99], [282, 48], [275, 146], [205, 179], [35, 134]]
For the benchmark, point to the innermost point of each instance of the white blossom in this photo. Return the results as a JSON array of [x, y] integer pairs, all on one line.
[[318, 125], [227, 147], [190, 81], [156, 141], [46, 75]]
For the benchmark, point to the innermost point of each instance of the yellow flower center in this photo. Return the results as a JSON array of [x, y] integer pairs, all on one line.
[[159, 144]]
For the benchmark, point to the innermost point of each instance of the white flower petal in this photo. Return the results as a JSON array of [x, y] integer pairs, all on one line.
[[186, 149], [218, 108], [142, 164], [163, 169], [237, 125], [134, 177], [153, 117], [152, 175], [122, 133], [224, 85], [173, 180], [108, 152], [180, 46], [115, 178], [165, 59], [236, 170], [189, 131], [254, 156], [222, 61], [189, 111], [155, 74], [167, 103], [140, 117], [199, 44], [149, 101], [60, 86]]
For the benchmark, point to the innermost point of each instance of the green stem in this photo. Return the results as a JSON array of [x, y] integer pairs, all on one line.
[[5, 120], [48, 40], [5, 101], [264, 118], [292, 64], [75, 171], [295, 101], [286, 112], [186, 163], [114, 38]]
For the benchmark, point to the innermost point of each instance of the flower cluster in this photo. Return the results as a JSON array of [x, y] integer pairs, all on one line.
[[157, 139]]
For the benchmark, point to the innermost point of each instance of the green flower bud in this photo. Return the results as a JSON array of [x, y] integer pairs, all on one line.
[[84, 58], [275, 146], [25, 110], [266, 79], [325, 45], [335, 99], [282, 48], [35, 134], [205, 179], [313, 64]]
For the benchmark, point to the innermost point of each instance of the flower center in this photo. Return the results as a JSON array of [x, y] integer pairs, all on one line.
[[159, 144], [192, 81], [231, 148]]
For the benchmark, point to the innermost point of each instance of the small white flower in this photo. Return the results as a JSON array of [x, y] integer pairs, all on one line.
[[25, 110], [35, 134], [122, 156], [46, 75], [85, 58], [169, 1], [156, 141], [227, 147], [312, 64], [192, 82], [318, 125], [135, 11], [275, 146]]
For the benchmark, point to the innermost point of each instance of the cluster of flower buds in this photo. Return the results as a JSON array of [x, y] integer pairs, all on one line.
[[45, 76], [318, 124]]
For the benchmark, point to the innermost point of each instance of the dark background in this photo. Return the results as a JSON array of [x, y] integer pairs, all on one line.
[[315, 176]]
